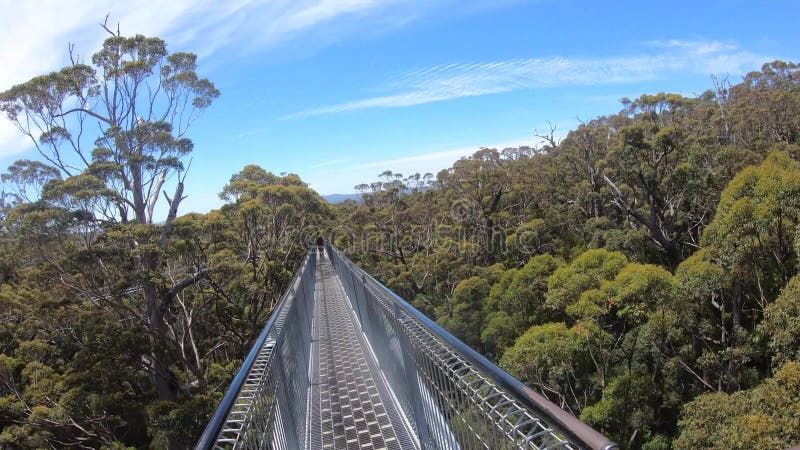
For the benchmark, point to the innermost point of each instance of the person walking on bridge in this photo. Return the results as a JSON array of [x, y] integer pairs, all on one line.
[[320, 245]]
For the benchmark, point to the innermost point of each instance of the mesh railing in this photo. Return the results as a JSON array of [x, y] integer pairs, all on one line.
[[265, 407]]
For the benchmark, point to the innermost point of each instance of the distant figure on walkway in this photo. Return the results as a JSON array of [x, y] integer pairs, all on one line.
[[320, 245]]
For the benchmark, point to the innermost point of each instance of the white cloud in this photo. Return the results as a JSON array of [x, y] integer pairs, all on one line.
[[12, 141], [698, 47], [335, 162], [452, 81], [35, 34], [433, 157]]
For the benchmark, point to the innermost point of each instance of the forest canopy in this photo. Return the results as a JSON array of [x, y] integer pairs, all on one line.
[[641, 272]]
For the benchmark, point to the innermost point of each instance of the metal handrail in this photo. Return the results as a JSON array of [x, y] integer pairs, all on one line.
[[566, 423], [211, 435]]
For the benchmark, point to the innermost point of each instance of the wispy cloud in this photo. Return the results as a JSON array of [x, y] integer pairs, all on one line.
[[697, 47], [452, 81], [249, 133], [334, 162], [206, 27], [11, 140], [448, 155], [203, 26], [223, 29]]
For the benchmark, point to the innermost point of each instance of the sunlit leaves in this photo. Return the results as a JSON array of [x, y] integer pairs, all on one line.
[[45, 95], [517, 301], [586, 272], [131, 107], [757, 215], [29, 178], [781, 325], [766, 416], [551, 358], [463, 315]]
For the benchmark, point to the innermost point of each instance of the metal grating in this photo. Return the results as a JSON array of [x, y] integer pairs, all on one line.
[[355, 409]]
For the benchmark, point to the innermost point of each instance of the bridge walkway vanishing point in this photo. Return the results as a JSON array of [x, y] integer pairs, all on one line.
[[344, 363], [350, 405]]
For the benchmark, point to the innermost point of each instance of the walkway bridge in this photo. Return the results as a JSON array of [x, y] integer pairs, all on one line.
[[344, 363]]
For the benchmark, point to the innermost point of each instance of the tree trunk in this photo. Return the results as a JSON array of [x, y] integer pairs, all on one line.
[[489, 249], [737, 303], [163, 381], [597, 205]]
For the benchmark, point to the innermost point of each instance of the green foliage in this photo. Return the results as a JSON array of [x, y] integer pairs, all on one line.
[[249, 181], [463, 314], [550, 358], [638, 290], [178, 424], [699, 278], [625, 200], [530, 238], [707, 340], [26, 175], [767, 416], [586, 272], [499, 332], [516, 302], [658, 442], [756, 218], [624, 412], [67, 359], [781, 324], [140, 99]]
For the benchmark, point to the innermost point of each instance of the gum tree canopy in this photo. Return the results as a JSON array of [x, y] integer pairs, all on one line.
[[118, 124], [113, 133]]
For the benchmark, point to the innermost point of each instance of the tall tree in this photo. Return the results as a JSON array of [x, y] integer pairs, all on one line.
[[583, 151], [765, 108], [478, 185], [754, 229], [116, 129], [653, 179]]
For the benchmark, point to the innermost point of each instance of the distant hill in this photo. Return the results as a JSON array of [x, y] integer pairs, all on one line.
[[338, 198]]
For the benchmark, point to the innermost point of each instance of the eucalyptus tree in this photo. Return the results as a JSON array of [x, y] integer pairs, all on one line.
[[476, 187], [754, 230], [765, 108], [256, 239], [115, 132], [582, 153], [652, 181]]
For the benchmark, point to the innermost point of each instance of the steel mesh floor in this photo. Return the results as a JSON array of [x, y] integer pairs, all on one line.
[[350, 405]]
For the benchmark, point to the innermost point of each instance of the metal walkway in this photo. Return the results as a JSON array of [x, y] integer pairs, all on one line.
[[344, 363], [350, 405]]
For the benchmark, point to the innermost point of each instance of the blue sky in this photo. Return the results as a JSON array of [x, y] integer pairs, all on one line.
[[338, 91]]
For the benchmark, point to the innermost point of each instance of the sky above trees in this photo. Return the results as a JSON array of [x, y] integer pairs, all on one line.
[[338, 91]]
